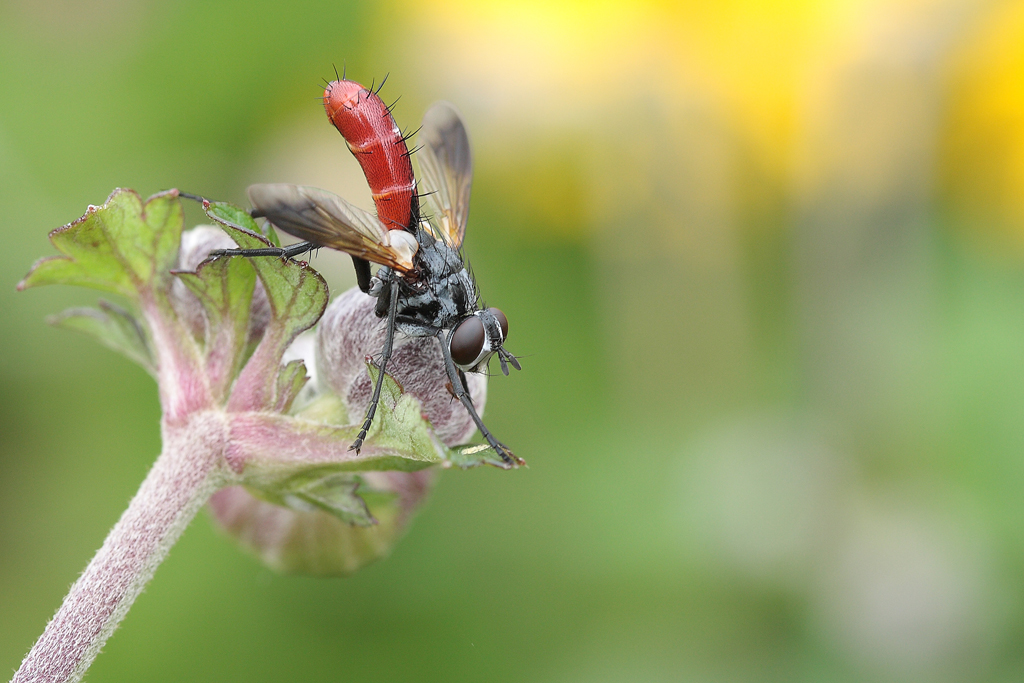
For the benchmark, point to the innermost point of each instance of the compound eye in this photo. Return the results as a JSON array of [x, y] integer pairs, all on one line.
[[502, 320], [468, 340]]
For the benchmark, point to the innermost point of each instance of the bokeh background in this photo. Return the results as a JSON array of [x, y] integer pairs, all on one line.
[[764, 262]]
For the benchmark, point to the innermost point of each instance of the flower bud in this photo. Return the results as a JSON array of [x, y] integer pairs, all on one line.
[[315, 542], [301, 538]]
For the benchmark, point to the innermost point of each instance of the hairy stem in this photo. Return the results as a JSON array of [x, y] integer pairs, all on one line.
[[188, 471]]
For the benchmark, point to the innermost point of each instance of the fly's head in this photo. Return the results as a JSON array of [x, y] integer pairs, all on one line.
[[477, 337]]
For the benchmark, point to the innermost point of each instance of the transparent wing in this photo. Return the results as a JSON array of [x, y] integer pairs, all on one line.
[[328, 220], [446, 170]]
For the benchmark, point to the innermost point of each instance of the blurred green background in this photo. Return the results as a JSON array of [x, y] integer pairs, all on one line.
[[764, 262]]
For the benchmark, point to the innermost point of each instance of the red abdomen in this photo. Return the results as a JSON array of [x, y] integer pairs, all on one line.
[[373, 137]]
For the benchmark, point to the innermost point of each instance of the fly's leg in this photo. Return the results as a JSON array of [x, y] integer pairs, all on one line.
[[363, 274], [389, 342], [465, 382], [291, 251], [457, 379]]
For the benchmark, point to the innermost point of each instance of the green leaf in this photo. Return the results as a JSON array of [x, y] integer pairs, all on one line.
[[231, 214], [327, 408], [277, 448], [298, 297], [125, 246], [290, 382], [224, 287], [309, 540], [114, 327], [399, 425], [297, 293], [235, 215], [333, 492]]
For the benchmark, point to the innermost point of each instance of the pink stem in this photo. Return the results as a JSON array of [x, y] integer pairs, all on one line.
[[189, 470]]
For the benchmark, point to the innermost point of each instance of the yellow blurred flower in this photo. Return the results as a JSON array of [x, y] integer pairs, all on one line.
[[983, 165]]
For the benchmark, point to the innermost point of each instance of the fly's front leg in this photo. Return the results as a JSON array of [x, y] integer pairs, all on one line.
[[457, 379], [389, 342], [290, 251]]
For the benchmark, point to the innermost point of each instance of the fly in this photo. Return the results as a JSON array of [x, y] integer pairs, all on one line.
[[422, 287]]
